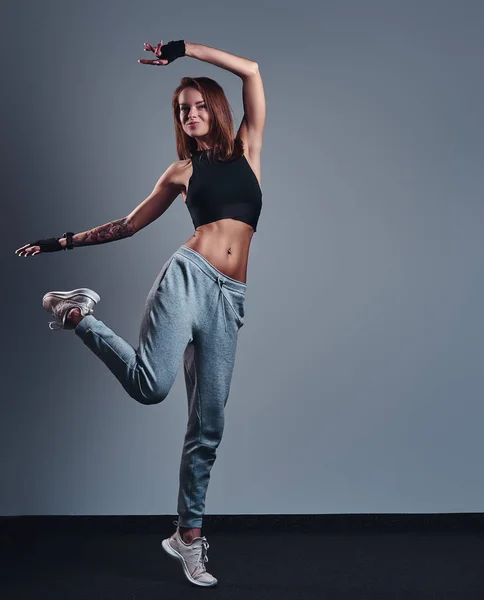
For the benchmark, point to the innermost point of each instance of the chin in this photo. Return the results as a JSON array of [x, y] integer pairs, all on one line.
[[197, 134]]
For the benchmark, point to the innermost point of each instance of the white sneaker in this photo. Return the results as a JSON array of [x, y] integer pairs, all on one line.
[[192, 557], [60, 303]]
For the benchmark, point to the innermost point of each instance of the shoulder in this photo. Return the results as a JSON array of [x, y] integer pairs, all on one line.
[[181, 165], [177, 171]]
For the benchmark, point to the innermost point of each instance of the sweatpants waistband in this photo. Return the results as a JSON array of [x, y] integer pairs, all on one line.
[[207, 267]]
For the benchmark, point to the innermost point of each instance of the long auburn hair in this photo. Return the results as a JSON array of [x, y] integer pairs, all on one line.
[[221, 128]]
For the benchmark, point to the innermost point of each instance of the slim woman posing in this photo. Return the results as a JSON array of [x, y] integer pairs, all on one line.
[[195, 308]]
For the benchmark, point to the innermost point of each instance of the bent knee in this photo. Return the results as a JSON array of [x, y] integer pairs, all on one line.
[[148, 390], [150, 397]]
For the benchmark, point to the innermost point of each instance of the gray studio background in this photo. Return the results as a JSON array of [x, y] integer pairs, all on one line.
[[358, 384]]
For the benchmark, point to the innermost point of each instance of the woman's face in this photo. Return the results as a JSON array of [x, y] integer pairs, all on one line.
[[194, 110]]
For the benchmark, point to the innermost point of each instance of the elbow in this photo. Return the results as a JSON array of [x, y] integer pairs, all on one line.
[[130, 227], [251, 71]]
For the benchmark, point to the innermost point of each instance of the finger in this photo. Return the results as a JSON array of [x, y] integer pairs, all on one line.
[[155, 63], [153, 49], [22, 247]]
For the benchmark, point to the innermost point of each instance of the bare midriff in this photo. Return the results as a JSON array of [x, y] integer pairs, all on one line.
[[225, 244]]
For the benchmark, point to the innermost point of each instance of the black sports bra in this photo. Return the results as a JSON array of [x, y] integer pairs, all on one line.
[[223, 190]]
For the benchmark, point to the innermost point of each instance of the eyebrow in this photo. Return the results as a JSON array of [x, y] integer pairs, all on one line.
[[198, 102]]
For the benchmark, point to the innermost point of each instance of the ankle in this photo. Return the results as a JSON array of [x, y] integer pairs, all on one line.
[[189, 534], [74, 315]]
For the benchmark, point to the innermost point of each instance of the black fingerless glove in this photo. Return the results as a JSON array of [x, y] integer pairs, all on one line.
[[173, 50], [53, 244]]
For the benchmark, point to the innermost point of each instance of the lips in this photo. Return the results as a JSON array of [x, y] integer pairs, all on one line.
[[193, 124]]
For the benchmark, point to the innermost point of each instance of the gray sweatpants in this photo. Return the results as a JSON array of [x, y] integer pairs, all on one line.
[[194, 312]]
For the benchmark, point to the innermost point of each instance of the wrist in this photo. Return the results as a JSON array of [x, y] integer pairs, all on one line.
[[189, 48], [62, 242]]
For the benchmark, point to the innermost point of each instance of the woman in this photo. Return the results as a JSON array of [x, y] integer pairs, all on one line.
[[195, 308]]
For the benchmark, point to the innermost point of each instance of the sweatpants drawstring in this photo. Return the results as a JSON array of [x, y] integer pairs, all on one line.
[[220, 282]]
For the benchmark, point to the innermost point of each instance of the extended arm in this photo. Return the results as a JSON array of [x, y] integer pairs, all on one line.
[[110, 232], [164, 193]]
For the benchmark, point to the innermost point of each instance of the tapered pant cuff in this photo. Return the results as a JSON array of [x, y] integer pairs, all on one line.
[[84, 325]]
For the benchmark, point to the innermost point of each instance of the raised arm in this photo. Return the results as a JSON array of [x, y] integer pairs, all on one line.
[[235, 64], [251, 129]]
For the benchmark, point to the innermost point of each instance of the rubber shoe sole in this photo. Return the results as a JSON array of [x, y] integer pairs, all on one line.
[[82, 295]]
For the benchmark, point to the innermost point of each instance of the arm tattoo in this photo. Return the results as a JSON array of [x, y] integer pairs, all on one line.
[[115, 230]]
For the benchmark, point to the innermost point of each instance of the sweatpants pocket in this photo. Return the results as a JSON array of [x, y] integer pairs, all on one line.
[[158, 281], [238, 303]]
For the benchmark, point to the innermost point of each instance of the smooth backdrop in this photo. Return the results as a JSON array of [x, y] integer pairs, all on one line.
[[358, 384]]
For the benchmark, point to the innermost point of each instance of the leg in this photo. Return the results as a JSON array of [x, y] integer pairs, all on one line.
[[147, 373], [208, 366]]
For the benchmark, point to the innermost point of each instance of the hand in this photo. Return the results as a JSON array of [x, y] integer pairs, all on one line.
[[47, 245], [157, 52], [28, 250]]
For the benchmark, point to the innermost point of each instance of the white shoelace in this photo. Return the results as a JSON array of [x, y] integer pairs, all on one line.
[[198, 564], [60, 312]]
